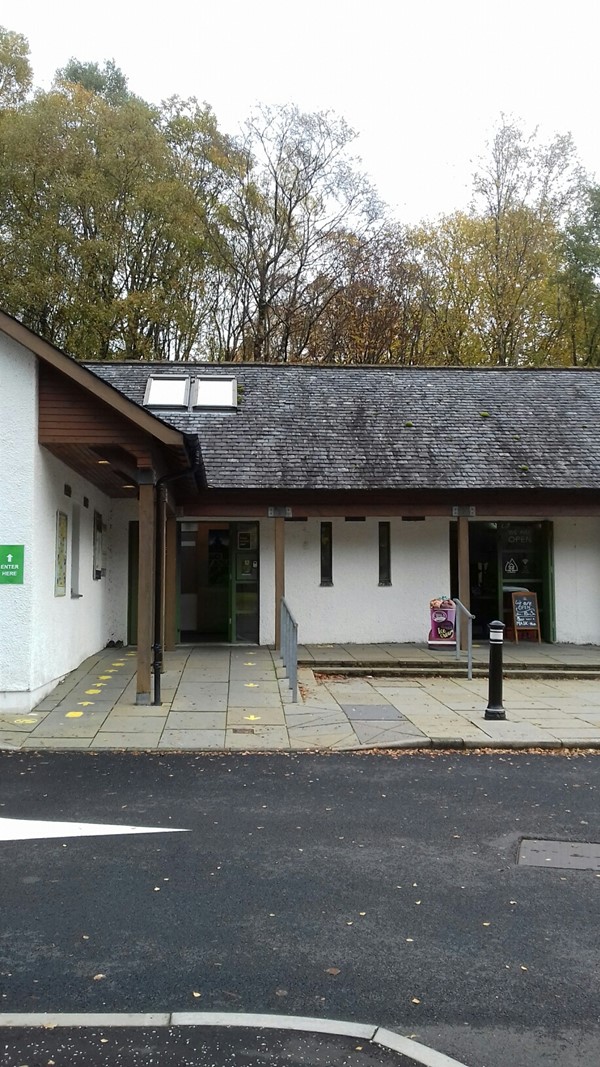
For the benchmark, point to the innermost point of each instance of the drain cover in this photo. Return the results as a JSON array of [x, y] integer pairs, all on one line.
[[242, 730], [574, 855]]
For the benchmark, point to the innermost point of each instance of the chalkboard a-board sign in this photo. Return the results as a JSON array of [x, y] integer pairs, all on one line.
[[525, 613]]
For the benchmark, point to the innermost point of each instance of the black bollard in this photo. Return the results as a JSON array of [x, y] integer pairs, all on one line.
[[495, 708]]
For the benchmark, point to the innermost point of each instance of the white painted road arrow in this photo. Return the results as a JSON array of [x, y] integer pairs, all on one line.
[[29, 829]]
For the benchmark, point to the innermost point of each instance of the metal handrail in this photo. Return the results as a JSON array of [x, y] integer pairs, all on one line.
[[289, 646], [461, 609]]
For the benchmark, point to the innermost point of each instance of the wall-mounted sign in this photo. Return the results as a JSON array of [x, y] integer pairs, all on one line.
[[11, 564], [279, 513], [60, 563], [460, 512]]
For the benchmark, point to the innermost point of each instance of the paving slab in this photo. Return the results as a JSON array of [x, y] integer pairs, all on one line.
[[197, 739], [24, 722], [139, 740], [263, 716], [371, 711], [140, 724], [263, 738], [56, 742], [196, 720], [56, 724], [383, 733], [204, 696]]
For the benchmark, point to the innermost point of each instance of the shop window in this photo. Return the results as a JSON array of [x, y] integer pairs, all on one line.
[[326, 553], [385, 558]]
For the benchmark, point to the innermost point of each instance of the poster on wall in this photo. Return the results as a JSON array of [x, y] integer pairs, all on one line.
[[60, 565]]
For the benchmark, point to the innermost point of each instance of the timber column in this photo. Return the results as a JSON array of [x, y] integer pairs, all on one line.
[[464, 576], [145, 627], [279, 576]]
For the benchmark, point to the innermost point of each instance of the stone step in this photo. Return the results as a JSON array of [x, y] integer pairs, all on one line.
[[447, 671], [441, 665]]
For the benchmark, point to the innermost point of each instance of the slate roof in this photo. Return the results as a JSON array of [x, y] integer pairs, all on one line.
[[334, 428]]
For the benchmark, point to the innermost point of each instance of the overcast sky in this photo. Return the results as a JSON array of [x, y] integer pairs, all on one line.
[[422, 81]]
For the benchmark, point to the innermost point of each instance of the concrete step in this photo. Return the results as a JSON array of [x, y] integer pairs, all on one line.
[[449, 671]]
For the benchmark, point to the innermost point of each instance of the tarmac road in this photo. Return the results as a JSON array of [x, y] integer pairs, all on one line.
[[381, 888]]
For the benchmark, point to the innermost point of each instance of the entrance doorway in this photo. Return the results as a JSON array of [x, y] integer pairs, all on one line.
[[507, 556], [218, 582]]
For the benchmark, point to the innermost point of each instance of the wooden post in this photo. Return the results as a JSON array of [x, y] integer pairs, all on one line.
[[464, 578], [170, 634], [145, 626], [279, 576]]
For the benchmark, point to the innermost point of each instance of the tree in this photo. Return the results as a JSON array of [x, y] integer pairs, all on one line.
[[296, 189], [523, 191], [107, 81], [104, 222], [580, 280], [15, 69]]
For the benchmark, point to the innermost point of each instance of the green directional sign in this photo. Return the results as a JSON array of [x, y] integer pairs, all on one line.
[[11, 564]]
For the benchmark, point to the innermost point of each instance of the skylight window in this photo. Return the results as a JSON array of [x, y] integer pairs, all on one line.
[[166, 391], [214, 393]]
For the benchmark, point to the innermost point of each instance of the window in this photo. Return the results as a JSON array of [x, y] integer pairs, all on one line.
[[214, 393], [98, 547], [385, 561], [75, 541], [326, 554], [166, 391]]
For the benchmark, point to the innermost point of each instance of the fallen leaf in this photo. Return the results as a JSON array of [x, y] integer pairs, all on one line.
[[104, 1041], [348, 923], [417, 901], [332, 970], [195, 994], [157, 889], [362, 913], [85, 937], [486, 924], [97, 977], [415, 1000], [358, 1048], [410, 938], [523, 968]]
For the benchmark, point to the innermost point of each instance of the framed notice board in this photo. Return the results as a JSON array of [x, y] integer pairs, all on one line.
[[526, 616]]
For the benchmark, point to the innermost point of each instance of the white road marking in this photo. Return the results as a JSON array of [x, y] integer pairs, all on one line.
[[29, 829]]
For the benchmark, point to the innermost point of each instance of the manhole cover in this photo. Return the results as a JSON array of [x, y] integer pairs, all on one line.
[[576, 855]]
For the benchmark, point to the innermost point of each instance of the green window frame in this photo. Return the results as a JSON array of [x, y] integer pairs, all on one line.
[[326, 553], [385, 554]]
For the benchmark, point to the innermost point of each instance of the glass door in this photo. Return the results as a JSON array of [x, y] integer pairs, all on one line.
[[244, 582]]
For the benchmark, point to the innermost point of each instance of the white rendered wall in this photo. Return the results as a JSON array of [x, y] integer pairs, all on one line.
[[356, 608], [577, 580], [43, 637], [18, 447], [66, 630]]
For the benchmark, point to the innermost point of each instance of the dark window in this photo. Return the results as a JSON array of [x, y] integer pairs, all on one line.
[[385, 562], [326, 554]]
